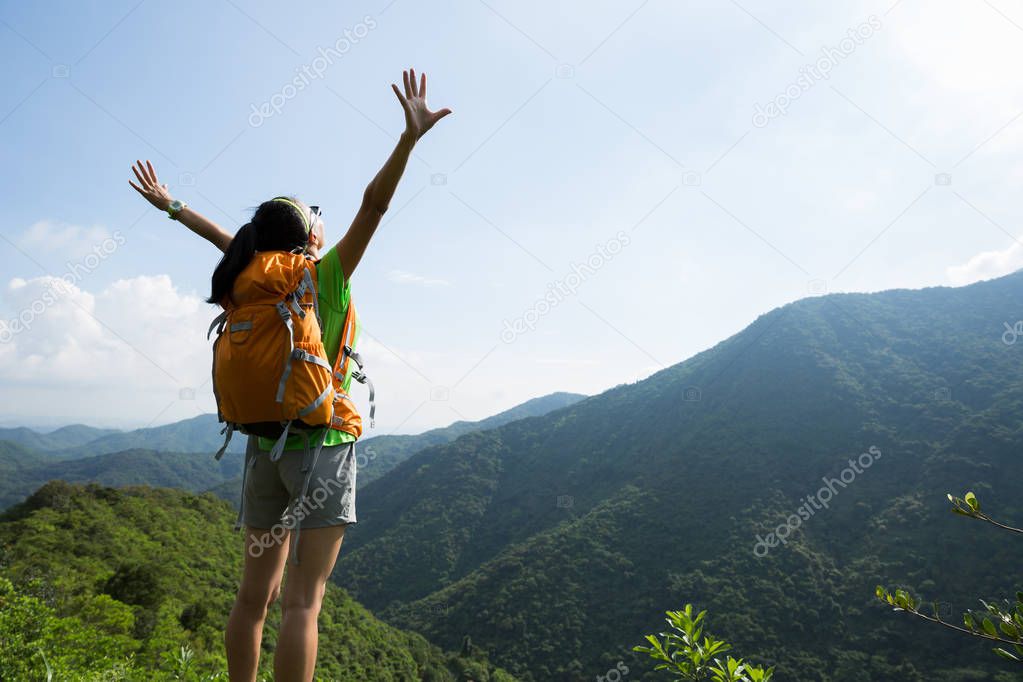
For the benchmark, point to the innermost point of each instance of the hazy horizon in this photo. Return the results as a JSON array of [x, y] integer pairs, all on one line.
[[47, 425]]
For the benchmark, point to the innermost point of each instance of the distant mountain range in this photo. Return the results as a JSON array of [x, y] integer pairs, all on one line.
[[198, 434], [557, 541], [61, 439], [179, 455], [23, 470]]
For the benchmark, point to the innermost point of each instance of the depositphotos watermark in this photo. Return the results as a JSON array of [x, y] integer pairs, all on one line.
[[567, 286], [314, 500], [816, 501], [314, 70], [615, 674], [57, 287], [811, 74], [1012, 332]]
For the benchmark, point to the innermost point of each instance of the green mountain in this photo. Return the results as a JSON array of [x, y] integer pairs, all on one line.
[[557, 542], [149, 456], [136, 584], [202, 434], [24, 471], [17, 467], [63, 438], [198, 434], [383, 453], [380, 454]]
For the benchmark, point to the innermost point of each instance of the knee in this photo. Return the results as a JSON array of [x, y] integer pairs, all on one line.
[[309, 599], [258, 601]]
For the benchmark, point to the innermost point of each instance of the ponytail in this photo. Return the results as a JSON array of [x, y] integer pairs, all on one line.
[[238, 255]]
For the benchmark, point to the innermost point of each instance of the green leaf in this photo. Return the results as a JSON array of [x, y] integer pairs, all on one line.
[[968, 621], [989, 627], [971, 500]]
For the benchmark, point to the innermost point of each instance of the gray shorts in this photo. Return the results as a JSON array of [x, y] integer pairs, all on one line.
[[273, 490]]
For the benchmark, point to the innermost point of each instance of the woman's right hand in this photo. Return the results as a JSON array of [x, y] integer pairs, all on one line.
[[418, 117], [149, 186]]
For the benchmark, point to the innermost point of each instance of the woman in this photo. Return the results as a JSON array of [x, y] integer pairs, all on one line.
[[286, 224]]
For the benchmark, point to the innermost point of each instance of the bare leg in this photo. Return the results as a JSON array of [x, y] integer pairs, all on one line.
[[260, 587], [295, 658]]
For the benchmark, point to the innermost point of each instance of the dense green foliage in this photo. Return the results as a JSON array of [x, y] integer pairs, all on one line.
[[136, 584], [554, 541]]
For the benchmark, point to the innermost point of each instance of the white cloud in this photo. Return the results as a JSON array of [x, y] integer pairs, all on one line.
[[140, 335], [403, 277], [987, 265], [64, 239]]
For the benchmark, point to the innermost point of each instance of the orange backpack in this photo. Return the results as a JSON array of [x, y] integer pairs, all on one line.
[[270, 369]]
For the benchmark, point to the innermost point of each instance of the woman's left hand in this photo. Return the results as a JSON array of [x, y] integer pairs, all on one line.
[[418, 117]]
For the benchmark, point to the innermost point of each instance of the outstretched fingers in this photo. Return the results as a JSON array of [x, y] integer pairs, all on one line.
[[401, 97], [138, 174]]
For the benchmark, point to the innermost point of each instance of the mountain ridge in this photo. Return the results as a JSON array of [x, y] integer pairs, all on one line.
[[749, 426]]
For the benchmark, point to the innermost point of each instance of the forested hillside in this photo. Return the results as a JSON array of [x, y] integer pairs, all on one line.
[[379, 454], [558, 541], [136, 584]]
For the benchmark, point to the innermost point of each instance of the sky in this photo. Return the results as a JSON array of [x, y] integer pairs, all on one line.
[[621, 185]]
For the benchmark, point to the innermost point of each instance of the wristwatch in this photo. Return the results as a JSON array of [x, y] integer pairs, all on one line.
[[175, 208]]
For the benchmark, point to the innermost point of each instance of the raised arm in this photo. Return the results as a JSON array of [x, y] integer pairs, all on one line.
[[158, 195], [377, 197]]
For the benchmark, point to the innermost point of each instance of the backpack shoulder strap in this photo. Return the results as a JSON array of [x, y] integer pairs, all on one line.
[[345, 355], [344, 349]]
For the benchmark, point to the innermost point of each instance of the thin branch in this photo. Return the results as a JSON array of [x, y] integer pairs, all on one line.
[[984, 517], [975, 633]]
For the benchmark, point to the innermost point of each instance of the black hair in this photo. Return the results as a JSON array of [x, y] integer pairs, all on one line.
[[275, 226]]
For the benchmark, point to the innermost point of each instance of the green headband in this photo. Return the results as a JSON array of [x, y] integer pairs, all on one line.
[[305, 218]]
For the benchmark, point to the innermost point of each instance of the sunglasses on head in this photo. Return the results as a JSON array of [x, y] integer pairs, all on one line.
[[310, 220]]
